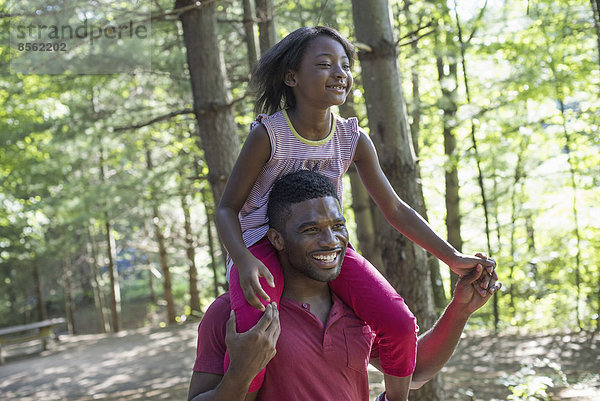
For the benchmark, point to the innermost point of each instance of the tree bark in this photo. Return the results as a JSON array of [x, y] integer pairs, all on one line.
[[405, 263], [162, 251], [41, 304], [191, 255], [250, 35], [68, 292], [115, 291], [267, 36], [212, 102], [211, 242], [448, 104], [439, 294], [362, 206], [98, 298]]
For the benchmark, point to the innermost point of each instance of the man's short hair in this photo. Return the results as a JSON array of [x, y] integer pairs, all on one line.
[[294, 188]]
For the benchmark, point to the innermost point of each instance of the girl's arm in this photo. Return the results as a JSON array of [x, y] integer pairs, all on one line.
[[253, 156], [405, 219]]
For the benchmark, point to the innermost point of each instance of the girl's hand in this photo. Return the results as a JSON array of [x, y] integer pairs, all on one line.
[[250, 273], [464, 264]]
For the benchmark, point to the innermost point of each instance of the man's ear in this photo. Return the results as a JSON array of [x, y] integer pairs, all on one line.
[[276, 239], [290, 78]]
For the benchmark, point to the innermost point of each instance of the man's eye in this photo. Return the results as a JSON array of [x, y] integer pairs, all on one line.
[[309, 230], [339, 226], [346, 67]]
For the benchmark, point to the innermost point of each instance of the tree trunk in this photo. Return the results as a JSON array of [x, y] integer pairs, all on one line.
[[362, 206], [97, 289], [250, 35], [439, 294], [266, 25], [68, 292], [162, 251], [211, 242], [41, 304], [212, 101], [405, 262], [190, 252], [448, 103], [115, 291], [113, 276]]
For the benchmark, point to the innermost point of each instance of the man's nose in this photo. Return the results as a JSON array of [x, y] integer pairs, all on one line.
[[328, 238]]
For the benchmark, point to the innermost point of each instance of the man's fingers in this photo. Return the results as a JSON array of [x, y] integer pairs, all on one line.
[[231, 325], [489, 263], [474, 275], [275, 328], [265, 320]]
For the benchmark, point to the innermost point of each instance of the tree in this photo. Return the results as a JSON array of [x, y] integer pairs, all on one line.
[[405, 263], [212, 101]]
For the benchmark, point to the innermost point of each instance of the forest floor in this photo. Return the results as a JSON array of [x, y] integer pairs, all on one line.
[[155, 364]]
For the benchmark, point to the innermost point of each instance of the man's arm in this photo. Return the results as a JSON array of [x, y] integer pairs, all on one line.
[[436, 346], [249, 353]]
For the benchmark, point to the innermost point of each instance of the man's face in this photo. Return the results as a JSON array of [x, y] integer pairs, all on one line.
[[314, 239]]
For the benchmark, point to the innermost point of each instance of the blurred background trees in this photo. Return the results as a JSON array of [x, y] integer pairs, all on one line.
[[108, 182]]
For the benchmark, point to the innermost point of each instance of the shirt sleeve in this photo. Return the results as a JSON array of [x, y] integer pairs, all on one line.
[[210, 351]]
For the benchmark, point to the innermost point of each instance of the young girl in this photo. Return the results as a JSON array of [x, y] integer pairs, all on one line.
[[297, 82]]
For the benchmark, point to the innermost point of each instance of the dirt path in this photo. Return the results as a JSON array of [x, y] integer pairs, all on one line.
[[156, 365]]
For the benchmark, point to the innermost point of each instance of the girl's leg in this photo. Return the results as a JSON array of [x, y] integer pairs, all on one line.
[[361, 286], [246, 315]]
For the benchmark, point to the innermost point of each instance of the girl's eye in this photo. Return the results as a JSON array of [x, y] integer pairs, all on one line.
[[325, 64]]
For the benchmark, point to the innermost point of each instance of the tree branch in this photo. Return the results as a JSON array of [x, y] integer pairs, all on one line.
[[154, 120]]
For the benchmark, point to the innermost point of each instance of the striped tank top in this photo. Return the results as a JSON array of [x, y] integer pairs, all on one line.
[[330, 156]]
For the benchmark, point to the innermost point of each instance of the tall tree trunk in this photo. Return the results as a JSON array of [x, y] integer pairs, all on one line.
[[484, 199], [250, 35], [162, 250], [37, 279], [448, 103], [439, 294], [405, 262], [266, 24], [68, 292], [190, 252], [574, 210], [212, 102], [362, 206], [115, 290], [113, 276], [97, 289], [211, 242]]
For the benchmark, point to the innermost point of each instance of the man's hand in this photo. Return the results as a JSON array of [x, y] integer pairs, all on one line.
[[463, 265], [250, 273], [250, 352], [469, 294]]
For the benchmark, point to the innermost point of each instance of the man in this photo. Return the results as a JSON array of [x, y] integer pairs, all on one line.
[[322, 347]]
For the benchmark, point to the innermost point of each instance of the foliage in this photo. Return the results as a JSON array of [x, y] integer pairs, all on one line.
[[73, 156]]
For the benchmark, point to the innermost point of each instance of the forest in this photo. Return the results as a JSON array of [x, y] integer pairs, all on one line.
[[485, 116]]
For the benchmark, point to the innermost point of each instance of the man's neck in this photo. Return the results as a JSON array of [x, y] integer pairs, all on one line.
[[305, 290]]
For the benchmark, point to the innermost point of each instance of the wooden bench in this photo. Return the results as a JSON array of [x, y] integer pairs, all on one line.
[[28, 332]]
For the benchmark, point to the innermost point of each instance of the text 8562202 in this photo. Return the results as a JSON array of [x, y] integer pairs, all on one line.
[[42, 47]]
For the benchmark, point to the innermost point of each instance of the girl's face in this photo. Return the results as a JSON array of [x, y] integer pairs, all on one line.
[[323, 78]]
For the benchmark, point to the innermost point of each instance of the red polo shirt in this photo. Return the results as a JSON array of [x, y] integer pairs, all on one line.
[[313, 361]]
